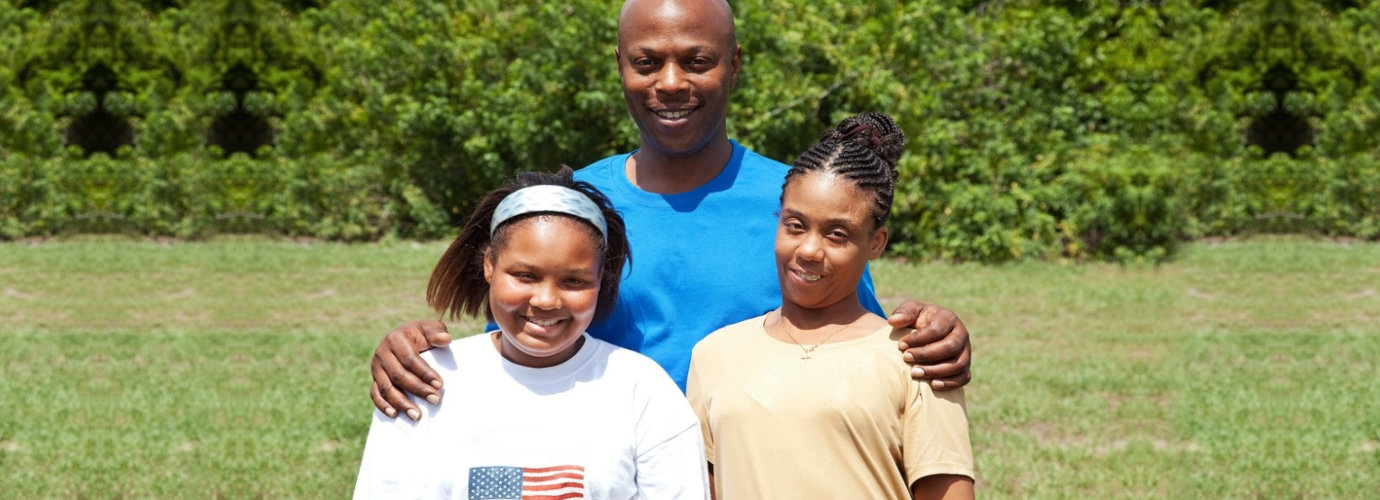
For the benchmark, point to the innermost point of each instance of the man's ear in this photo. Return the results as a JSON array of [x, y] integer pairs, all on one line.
[[488, 268], [879, 239], [737, 64]]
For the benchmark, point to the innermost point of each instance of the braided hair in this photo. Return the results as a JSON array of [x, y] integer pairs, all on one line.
[[864, 149]]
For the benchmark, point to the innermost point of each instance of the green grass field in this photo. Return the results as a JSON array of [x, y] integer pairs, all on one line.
[[238, 368]]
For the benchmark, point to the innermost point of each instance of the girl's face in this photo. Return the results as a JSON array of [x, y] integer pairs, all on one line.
[[823, 240], [543, 288]]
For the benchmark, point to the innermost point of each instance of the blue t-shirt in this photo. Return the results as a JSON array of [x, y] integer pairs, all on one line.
[[701, 260]]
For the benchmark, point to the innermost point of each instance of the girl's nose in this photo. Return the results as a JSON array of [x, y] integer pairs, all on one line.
[[546, 296]]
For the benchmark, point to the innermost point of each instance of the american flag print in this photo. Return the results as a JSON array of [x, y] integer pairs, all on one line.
[[561, 482]]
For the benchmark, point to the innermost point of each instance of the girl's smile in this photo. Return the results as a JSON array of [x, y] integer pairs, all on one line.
[[544, 286]]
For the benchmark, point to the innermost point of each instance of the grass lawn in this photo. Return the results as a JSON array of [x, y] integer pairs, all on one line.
[[238, 368]]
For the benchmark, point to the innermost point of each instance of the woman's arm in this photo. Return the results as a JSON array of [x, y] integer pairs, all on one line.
[[942, 486], [935, 445], [712, 494]]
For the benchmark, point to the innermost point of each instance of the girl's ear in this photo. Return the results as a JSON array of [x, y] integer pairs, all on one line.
[[879, 239], [488, 268]]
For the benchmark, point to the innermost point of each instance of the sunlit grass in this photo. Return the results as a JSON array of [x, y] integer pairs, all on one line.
[[238, 368]]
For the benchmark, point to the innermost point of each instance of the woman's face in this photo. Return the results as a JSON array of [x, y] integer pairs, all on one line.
[[543, 289], [824, 239]]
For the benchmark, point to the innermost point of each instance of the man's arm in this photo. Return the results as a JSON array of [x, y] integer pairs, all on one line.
[[938, 348], [397, 367]]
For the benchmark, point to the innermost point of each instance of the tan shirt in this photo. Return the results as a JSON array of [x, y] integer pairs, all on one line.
[[847, 423]]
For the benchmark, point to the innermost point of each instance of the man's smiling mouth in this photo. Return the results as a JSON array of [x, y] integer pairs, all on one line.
[[672, 115]]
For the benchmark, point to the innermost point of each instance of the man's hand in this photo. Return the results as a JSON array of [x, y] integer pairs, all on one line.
[[396, 365], [938, 348]]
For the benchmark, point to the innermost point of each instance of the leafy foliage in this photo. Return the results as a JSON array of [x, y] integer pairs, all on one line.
[[1039, 129]]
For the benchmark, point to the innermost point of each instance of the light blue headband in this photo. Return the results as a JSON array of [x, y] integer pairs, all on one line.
[[549, 198]]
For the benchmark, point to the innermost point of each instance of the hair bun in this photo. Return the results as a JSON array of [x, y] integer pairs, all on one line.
[[874, 131]]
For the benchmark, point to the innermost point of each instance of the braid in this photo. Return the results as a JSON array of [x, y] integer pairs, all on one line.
[[864, 148]]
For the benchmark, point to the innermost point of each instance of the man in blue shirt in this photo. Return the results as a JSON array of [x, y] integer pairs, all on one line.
[[700, 211]]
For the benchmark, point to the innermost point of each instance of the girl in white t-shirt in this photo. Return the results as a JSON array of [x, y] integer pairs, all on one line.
[[538, 408]]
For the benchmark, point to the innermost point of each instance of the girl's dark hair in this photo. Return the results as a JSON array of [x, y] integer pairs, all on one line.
[[864, 149], [457, 283]]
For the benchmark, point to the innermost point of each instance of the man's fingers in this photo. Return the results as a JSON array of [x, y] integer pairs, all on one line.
[[379, 403], [385, 396], [944, 350], [945, 384], [399, 371], [436, 334], [946, 370], [922, 336], [946, 362], [406, 369], [392, 380], [408, 372], [905, 314]]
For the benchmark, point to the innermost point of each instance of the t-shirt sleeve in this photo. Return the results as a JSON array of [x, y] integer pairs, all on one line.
[[670, 453], [935, 433], [385, 471], [695, 394]]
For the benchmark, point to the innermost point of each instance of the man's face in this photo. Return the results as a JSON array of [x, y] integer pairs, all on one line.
[[678, 63]]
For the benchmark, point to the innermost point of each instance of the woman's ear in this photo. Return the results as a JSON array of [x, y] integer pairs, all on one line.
[[879, 239], [488, 268]]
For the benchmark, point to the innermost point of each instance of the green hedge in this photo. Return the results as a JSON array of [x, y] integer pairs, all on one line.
[[1075, 129]]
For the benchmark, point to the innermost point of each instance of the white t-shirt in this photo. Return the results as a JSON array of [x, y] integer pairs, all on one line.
[[606, 424]]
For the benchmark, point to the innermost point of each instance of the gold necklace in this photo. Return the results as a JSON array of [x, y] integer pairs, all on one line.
[[805, 351]]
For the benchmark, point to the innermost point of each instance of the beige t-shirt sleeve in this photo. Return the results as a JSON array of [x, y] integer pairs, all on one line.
[[935, 433], [694, 392]]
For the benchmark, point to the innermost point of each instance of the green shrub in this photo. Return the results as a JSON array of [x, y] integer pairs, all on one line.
[[1038, 129]]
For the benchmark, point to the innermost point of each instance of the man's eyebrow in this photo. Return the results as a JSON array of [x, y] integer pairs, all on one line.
[[693, 48]]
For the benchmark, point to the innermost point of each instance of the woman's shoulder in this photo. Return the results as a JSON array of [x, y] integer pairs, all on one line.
[[880, 347], [731, 335]]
